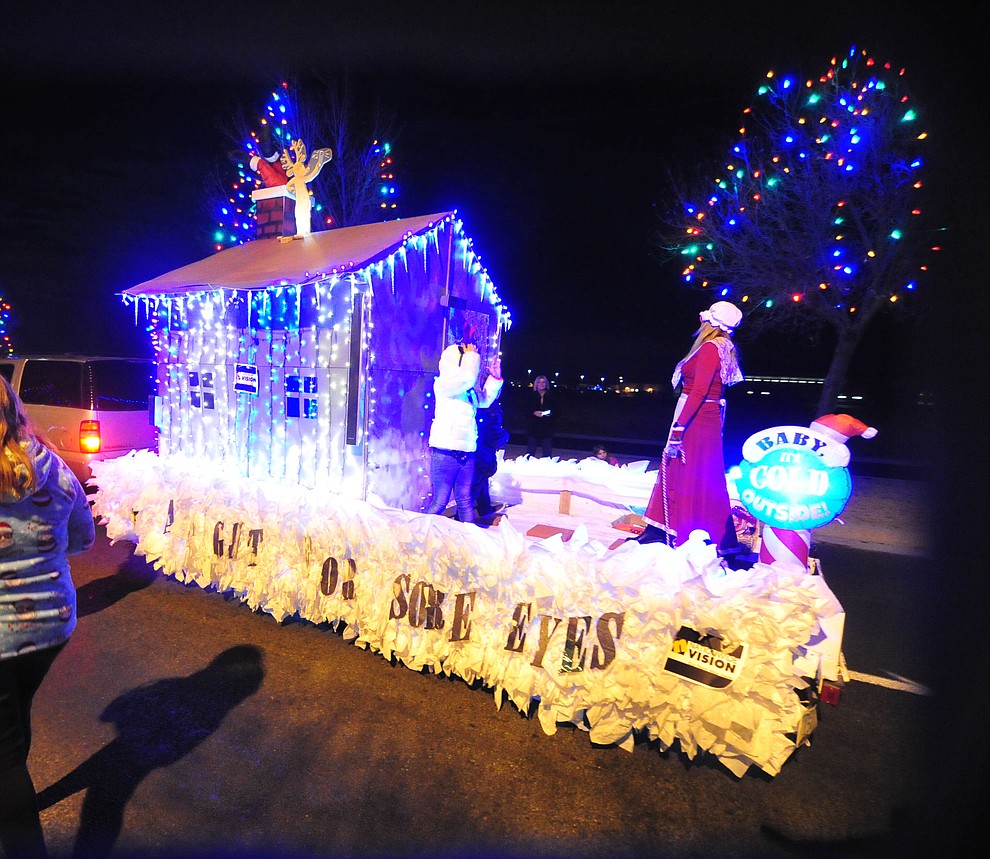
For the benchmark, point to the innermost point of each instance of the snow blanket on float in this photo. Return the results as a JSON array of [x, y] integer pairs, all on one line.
[[640, 639]]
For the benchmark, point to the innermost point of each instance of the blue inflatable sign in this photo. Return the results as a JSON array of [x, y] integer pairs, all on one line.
[[792, 488]]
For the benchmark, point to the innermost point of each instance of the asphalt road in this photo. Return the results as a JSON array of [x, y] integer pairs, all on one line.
[[180, 723]]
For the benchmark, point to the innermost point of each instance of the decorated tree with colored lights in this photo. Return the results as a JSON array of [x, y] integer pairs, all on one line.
[[265, 136], [6, 347], [815, 220], [357, 186]]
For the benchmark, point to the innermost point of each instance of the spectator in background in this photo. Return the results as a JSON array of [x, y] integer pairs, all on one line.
[[45, 517], [541, 417], [599, 451], [492, 437]]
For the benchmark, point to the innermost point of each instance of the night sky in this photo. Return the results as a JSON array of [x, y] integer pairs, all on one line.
[[549, 127]]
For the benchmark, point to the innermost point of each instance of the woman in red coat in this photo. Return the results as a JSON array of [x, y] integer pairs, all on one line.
[[690, 492]]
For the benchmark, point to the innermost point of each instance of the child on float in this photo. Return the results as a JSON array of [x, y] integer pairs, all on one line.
[[599, 451], [454, 431]]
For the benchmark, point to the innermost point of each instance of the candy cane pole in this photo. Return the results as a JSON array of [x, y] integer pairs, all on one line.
[[785, 549]]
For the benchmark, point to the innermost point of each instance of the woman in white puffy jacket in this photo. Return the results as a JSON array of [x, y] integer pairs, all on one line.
[[454, 433]]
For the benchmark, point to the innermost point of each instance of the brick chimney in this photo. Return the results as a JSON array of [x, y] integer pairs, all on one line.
[[276, 212]]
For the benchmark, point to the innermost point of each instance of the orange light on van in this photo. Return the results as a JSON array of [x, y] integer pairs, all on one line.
[[89, 436]]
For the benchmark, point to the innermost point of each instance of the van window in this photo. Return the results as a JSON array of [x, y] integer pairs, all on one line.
[[7, 371], [53, 383], [122, 386]]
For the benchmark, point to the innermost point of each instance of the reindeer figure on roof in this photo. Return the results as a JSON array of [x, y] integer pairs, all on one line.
[[300, 173]]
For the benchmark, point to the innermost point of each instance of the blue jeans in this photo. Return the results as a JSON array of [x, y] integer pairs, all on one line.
[[452, 471]]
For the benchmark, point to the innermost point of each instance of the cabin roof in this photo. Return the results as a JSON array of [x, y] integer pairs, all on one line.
[[274, 262]]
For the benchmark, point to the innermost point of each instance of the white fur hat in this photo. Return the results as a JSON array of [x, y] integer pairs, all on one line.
[[722, 314]]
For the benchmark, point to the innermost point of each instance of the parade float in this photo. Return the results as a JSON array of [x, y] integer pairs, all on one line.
[[294, 402]]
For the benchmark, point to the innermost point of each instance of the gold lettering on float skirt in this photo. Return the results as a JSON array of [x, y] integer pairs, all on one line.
[[546, 633], [400, 602], [218, 539], [235, 540], [520, 620], [255, 536], [578, 642], [460, 628], [425, 606], [604, 652], [330, 577], [254, 539], [574, 646], [422, 605]]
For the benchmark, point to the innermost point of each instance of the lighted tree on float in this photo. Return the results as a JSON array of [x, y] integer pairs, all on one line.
[[357, 186], [815, 219], [231, 205]]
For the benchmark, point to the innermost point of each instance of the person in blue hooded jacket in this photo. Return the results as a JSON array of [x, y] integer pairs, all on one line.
[[44, 517]]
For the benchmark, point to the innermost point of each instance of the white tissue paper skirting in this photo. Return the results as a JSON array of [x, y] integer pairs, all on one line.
[[594, 635]]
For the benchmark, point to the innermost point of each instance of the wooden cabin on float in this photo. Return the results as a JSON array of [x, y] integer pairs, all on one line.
[[310, 359]]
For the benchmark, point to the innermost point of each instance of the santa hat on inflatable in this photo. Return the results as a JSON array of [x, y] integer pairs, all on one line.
[[842, 427]]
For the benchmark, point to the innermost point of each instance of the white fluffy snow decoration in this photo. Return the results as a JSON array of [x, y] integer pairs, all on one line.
[[584, 630]]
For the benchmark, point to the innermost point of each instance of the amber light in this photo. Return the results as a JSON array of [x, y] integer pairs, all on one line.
[[89, 436]]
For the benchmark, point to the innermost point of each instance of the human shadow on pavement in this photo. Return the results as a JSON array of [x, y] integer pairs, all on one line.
[[98, 594], [157, 725]]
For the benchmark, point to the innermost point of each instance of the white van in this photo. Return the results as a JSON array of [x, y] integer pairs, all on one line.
[[88, 407]]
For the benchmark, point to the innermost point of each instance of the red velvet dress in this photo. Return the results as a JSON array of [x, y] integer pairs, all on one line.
[[696, 492]]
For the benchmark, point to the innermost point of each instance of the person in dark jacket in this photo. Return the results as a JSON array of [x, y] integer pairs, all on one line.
[[541, 418], [492, 437]]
